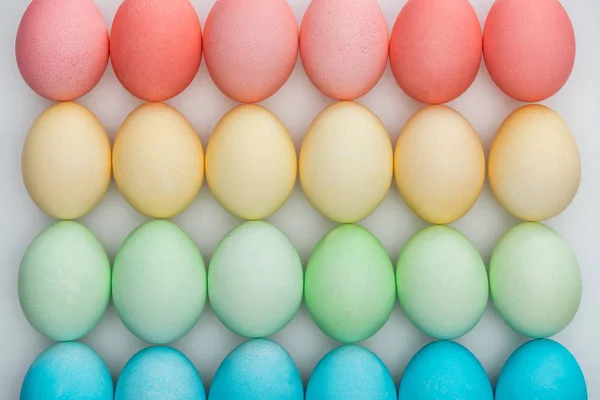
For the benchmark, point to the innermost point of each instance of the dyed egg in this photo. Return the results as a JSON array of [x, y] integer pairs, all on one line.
[[344, 46], [159, 373], [541, 369], [529, 47], [251, 162], [159, 282], [68, 370], [64, 281], [258, 369], [440, 147], [251, 47], [156, 47], [158, 161], [435, 49], [346, 162], [535, 280], [255, 280], [66, 161], [349, 285], [350, 372], [62, 48], [534, 165]]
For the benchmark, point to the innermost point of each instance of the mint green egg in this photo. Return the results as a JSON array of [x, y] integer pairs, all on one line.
[[442, 282], [159, 282], [349, 286], [64, 281], [535, 280]]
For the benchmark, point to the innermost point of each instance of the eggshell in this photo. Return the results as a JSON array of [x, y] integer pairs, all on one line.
[[62, 48], [64, 281], [251, 47], [156, 47], [66, 161], [534, 164], [346, 162], [251, 163], [344, 46], [158, 161]]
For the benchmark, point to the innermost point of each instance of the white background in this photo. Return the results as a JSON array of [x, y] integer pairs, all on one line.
[[297, 104]]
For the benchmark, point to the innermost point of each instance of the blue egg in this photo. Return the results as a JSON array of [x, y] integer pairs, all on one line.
[[67, 371], [445, 371], [351, 372], [541, 369], [160, 373], [257, 370]]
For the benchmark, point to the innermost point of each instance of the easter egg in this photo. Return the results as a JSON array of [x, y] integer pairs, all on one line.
[[258, 369], [255, 280], [68, 370], [156, 47], [535, 281], [251, 162], [350, 372], [534, 164], [66, 161], [159, 282], [64, 281], [346, 162], [62, 48], [439, 146], [251, 47], [158, 161]]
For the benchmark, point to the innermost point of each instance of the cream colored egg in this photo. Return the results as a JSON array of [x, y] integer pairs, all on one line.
[[534, 166], [346, 162], [158, 161], [251, 162], [439, 165], [66, 161]]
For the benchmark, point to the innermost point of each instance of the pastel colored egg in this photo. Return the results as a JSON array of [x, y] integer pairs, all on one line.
[[158, 161], [64, 281], [439, 146], [534, 165], [349, 285], [258, 369], [68, 370], [62, 48], [255, 280], [66, 161], [535, 280], [251, 163], [156, 47], [541, 369], [159, 282], [529, 47], [350, 372], [346, 162], [435, 49], [251, 47], [344, 46]]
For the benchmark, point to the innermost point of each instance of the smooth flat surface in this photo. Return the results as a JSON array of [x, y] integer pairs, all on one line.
[[393, 223]]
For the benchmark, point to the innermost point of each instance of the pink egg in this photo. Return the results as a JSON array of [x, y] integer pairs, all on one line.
[[62, 48], [529, 48], [344, 46], [435, 49], [251, 47], [156, 47]]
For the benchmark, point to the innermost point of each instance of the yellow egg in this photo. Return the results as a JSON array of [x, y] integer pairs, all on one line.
[[251, 162], [534, 167], [439, 164], [158, 161], [66, 161], [346, 162]]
